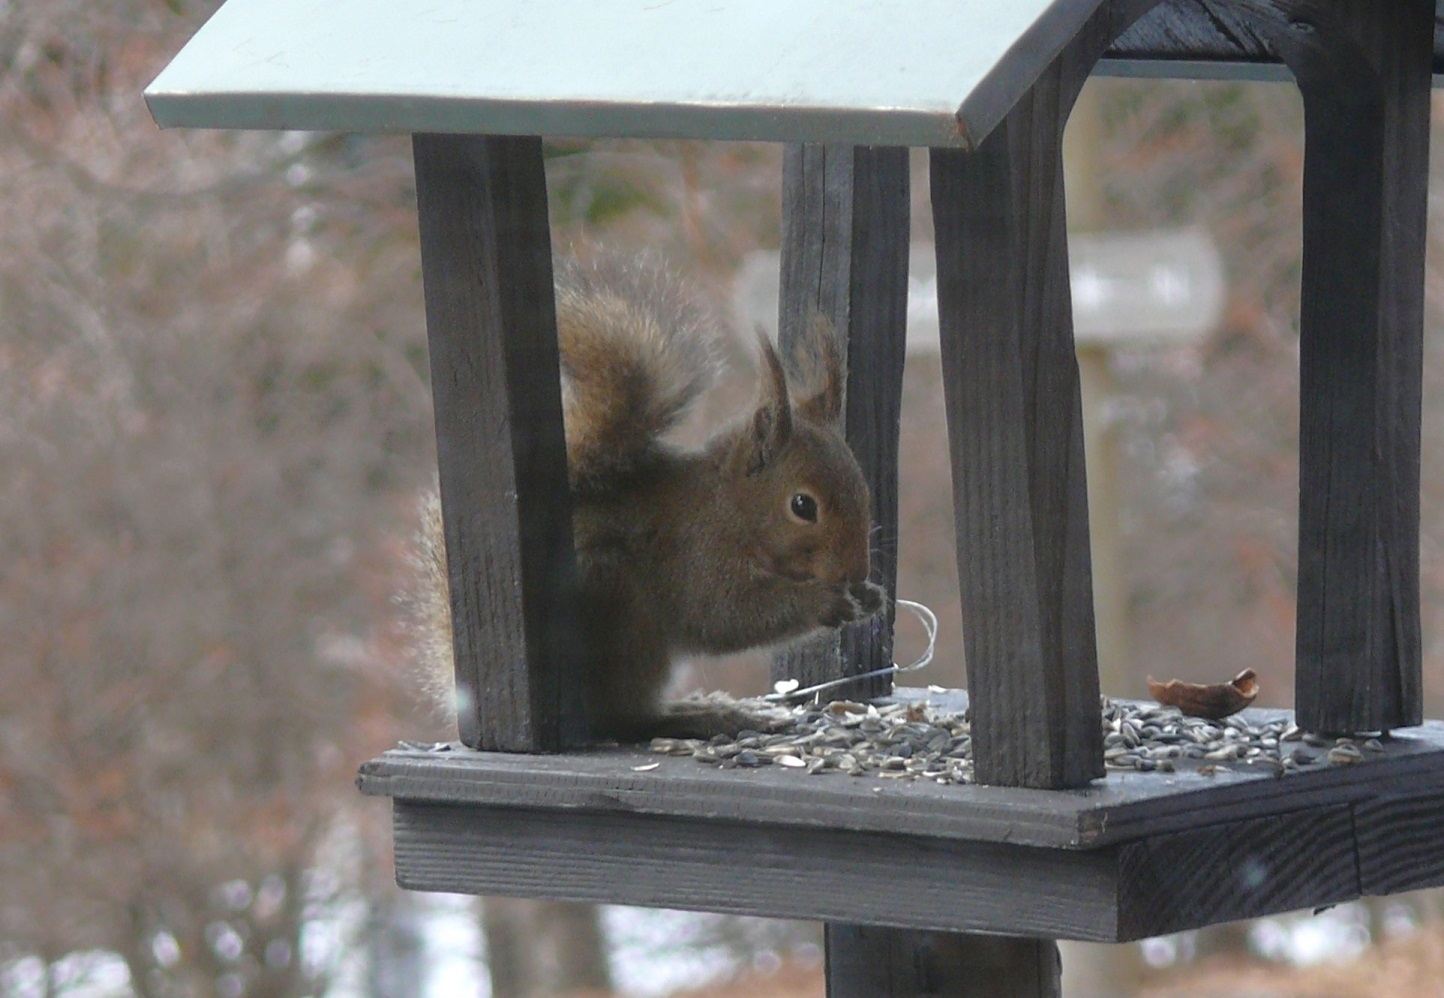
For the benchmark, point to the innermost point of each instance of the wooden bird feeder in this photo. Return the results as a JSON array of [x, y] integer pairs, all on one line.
[[916, 881]]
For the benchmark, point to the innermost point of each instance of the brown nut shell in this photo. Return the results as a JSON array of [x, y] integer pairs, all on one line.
[[1214, 701]]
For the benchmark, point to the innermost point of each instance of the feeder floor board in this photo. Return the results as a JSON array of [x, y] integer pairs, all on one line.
[[1133, 855]]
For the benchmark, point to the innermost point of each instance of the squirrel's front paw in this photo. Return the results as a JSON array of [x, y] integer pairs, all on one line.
[[858, 602]]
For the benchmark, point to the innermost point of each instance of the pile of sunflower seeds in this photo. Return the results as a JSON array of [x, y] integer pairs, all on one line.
[[915, 741]]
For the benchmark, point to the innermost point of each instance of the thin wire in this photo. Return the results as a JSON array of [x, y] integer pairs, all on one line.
[[930, 624]]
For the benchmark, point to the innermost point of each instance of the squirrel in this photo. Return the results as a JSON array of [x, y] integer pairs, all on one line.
[[759, 536]]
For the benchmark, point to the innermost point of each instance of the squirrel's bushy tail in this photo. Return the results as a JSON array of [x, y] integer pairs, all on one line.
[[636, 352]]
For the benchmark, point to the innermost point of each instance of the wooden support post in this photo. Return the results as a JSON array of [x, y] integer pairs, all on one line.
[[845, 226], [1364, 71], [491, 322], [868, 962], [845, 235], [1015, 426]]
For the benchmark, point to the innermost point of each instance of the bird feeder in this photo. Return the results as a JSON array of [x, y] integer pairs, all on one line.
[[1047, 844]]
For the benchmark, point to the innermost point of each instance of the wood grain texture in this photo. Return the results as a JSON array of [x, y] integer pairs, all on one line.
[[1107, 863], [1122, 807], [1194, 32], [1211, 38], [1364, 72], [1399, 838], [1015, 429], [845, 231], [735, 867], [1293, 858], [491, 325], [1018, 487], [873, 961], [845, 235], [1222, 873]]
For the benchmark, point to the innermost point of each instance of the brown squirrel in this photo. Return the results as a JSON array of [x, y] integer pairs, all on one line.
[[759, 536]]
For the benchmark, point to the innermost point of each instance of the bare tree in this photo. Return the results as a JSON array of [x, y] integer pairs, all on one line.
[[209, 349]]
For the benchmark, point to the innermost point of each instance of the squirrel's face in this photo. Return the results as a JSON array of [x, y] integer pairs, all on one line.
[[812, 511], [815, 522], [799, 484]]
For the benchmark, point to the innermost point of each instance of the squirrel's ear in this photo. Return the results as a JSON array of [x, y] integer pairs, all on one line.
[[820, 357], [771, 424]]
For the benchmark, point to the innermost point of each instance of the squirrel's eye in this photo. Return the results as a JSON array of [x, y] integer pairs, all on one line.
[[804, 507]]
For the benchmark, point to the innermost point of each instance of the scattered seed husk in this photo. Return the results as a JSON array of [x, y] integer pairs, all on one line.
[[912, 741], [1345, 754]]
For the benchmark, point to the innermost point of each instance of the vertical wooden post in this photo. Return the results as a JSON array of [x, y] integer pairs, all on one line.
[[845, 231], [1020, 497], [1015, 423], [491, 323], [1364, 71], [1015, 428], [845, 226], [871, 962]]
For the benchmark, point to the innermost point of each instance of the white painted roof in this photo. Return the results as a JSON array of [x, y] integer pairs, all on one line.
[[895, 72]]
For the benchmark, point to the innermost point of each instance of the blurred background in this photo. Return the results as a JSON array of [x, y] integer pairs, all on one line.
[[214, 423]]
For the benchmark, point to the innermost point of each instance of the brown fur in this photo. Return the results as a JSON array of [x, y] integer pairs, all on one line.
[[684, 551]]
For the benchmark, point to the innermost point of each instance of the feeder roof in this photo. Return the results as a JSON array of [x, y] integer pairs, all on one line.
[[894, 72]]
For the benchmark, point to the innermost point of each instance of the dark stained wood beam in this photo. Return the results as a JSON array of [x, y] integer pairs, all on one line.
[[1211, 39], [1215, 872], [870, 961], [845, 224], [1134, 855], [1015, 426], [491, 324], [1020, 493], [1015, 430], [1363, 69]]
